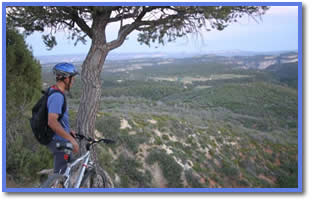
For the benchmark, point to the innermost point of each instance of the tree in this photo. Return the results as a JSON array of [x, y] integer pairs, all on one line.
[[154, 23], [23, 77], [23, 88]]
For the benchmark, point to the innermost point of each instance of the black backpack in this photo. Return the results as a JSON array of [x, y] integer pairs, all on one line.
[[39, 121]]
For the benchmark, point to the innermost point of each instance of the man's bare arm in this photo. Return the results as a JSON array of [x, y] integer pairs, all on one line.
[[59, 130]]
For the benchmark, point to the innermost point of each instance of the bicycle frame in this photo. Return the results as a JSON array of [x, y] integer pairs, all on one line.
[[86, 158], [86, 161]]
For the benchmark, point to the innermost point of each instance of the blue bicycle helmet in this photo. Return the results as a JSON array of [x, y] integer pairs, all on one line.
[[65, 70]]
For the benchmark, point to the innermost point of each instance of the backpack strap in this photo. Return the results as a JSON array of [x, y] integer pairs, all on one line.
[[63, 109]]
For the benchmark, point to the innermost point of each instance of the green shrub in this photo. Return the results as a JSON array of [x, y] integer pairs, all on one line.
[[24, 156], [131, 142], [105, 159], [127, 168], [287, 181], [170, 168], [109, 126], [23, 75], [287, 177], [23, 164], [243, 183], [229, 170], [192, 180], [158, 141], [165, 137]]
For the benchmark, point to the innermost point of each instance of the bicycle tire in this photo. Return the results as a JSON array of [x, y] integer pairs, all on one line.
[[87, 180], [106, 180], [94, 179], [54, 181]]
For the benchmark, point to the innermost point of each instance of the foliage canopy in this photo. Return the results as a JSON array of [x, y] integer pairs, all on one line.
[[23, 72], [154, 23]]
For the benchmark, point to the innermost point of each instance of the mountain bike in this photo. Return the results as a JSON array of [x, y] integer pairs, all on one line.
[[88, 170]]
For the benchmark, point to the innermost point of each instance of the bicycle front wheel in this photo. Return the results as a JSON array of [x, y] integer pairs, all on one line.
[[54, 181], [94, 179], [87, 180]]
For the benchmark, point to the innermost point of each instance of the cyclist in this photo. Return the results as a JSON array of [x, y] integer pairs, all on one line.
[[65, 75]]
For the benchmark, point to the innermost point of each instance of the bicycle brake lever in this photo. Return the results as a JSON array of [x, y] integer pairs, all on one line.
[[81, 137]]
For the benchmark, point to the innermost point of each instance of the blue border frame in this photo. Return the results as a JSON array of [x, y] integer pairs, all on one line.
[[152, 3], [4, 166], [300, 97], [192, 190]]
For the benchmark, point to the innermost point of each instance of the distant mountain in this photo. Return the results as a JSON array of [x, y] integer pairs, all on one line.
[[253, 62], [127, 56], [231, 53], [61, 58], [111, 56]]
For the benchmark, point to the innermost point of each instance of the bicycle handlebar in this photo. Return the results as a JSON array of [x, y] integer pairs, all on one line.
[[81, 137], [106, 141], [93, 141]]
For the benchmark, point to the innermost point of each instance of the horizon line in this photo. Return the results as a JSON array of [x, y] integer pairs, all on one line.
[[159, 52]]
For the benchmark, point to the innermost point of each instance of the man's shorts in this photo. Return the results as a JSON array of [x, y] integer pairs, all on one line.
[[60, 164]]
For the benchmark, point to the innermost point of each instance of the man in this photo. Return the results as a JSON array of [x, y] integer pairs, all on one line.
[[65, 77]]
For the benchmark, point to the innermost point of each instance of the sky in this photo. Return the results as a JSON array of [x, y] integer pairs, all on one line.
[[309, 153], [276, 31]]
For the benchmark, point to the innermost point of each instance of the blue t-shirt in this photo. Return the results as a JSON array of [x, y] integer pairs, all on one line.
[[54, 104]]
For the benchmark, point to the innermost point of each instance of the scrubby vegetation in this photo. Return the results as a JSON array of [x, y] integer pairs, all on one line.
[[171, 169], [191, 123], [23, 78]]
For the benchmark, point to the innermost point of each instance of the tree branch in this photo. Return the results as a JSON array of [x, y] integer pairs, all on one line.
[[124, 32], [127, 29], [81, 23]]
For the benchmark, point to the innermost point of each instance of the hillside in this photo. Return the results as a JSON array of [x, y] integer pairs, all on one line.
[[195, 122], [260, 61], [285, 73], [188, 145]]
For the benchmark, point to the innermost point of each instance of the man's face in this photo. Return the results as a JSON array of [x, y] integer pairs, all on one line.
[[70, 80]]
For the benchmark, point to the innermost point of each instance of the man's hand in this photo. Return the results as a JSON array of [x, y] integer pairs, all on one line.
[[73, 133], [74, 142], [76, 146]]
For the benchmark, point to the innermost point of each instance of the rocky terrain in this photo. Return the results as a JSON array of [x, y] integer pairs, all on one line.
[[175, 146], [197, 122], [202, 122]]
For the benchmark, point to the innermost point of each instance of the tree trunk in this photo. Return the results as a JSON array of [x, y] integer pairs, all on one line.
[[90, 98], [91, 93], [91, 79]]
